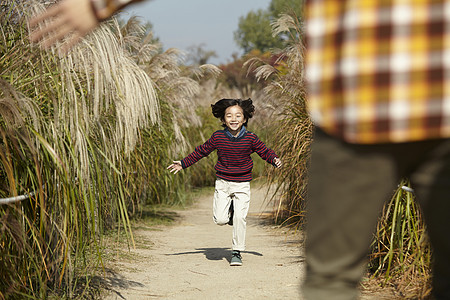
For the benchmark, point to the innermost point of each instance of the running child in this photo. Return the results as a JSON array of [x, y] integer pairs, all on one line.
[[234, 144]]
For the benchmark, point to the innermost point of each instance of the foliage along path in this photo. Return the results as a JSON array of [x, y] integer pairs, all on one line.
[[190, 258]]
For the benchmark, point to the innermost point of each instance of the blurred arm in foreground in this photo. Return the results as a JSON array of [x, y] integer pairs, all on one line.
[[72, 20]]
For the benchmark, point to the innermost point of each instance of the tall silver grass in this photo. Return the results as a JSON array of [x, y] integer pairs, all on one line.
[[293, 133], [99, 78]]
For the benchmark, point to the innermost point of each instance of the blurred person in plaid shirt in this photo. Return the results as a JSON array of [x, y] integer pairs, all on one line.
[[378, 76]]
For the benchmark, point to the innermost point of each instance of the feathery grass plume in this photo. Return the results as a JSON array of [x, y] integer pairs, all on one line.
[[294, 133], [15, 108], [164, 70], [178, 88], [116, 85], [206, 70], [98, 78]]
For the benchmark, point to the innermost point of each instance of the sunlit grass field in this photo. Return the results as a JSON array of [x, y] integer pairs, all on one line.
[[88, 137]]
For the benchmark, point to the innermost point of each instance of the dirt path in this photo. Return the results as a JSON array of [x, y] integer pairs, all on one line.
[[190, 259]]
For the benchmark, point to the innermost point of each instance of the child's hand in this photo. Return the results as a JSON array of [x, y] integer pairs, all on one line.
[[277, 162], [175, 167]]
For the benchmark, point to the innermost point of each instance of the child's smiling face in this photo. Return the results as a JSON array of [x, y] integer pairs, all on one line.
[[234, 119]]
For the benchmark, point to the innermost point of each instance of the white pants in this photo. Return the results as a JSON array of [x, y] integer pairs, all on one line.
[[239, 192]]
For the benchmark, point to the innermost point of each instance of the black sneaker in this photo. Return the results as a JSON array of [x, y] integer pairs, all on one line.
[[236, 258], [231, 214]]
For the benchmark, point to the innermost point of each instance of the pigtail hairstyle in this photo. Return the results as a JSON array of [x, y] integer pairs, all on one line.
[[218, 109], [248, 108]]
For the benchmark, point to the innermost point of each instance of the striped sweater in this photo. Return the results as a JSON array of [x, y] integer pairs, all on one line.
[[234, 161]]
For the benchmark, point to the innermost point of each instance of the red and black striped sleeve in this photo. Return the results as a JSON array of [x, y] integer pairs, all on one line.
[[262, 150], [200, 152]]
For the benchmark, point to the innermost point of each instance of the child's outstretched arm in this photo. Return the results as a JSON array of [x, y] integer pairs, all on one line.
[[266, 153], [175, 167], [199, 152]]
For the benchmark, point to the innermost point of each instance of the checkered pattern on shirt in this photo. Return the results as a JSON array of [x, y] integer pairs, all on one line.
[[378, 71]]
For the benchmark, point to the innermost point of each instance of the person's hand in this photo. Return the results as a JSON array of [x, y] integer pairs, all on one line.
[[175, 167], [277, 162], [71, 19]]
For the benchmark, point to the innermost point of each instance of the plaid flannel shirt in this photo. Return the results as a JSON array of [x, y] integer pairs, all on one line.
[[377, 70]]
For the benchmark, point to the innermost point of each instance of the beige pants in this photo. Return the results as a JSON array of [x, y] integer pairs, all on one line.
[[239, 193]]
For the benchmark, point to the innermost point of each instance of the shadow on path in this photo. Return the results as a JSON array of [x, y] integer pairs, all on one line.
[[215, 253], [88, 287]]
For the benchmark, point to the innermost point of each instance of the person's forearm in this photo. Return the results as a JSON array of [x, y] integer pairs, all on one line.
[[71, 20], [104, 9]]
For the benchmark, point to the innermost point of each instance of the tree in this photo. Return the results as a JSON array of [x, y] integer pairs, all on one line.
[[278, 7], [198, 55], [255, 30]]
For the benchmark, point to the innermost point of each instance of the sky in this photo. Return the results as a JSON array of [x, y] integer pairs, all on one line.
[[184, 23]]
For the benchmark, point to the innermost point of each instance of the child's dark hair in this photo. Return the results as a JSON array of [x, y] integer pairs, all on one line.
[[218, 109]]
